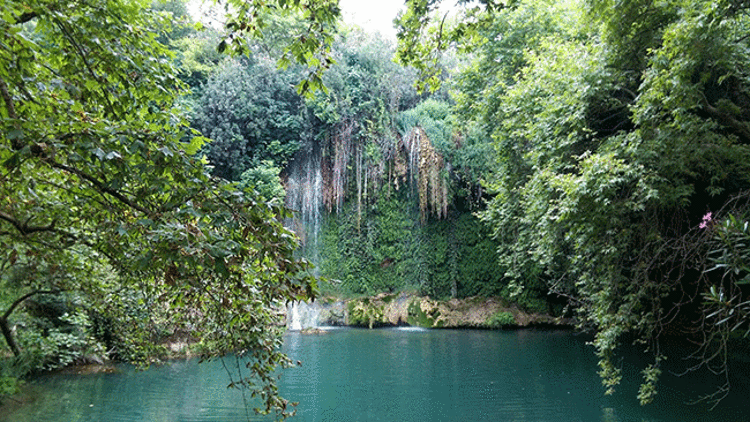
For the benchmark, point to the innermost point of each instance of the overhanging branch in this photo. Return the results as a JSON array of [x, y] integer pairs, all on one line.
[[24, 228], [21, 299], [9, 106], [11, 109], [99, 185], [741, 128], [5, 327], [25, 17]]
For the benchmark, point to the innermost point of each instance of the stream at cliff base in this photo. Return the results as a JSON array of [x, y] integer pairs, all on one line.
[[393, 375]]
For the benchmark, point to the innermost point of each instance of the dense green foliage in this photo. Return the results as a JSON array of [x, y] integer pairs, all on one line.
[[596, 150], [377, 236], [391, 250], [251, 113], [501, 319], [307, 43], [617, 126], [397, 180], [111, 228]]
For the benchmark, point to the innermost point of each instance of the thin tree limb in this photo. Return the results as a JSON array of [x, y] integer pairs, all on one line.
[[20, 300], [98, 184], [25, 228]]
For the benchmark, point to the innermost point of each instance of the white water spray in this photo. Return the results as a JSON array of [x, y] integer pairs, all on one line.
[[305, 196], [302, 316]]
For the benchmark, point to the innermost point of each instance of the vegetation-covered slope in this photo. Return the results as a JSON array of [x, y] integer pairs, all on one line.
[[620, 134]]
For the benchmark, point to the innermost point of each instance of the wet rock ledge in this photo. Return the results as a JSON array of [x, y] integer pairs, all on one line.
[[407, 309]]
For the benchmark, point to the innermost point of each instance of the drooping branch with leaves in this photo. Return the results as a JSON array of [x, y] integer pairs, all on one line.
[[309, 45], [98, 169], [616, 127]]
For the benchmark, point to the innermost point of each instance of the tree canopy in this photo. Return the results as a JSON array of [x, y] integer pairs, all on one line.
[[617, 127], [99, 175], [308, 44]]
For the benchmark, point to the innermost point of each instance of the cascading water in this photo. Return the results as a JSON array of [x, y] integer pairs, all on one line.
[[302, 315], [314, 181], [304, 196]]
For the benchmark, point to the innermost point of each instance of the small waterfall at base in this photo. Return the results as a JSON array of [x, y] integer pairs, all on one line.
[[301, 316]]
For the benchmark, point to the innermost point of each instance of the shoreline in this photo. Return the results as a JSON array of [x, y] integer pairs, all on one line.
[[408, 309]]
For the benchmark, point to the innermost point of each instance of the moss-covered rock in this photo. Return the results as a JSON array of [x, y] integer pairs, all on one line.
[[332, 313], [365, 313], [388, 310], [378, 311], [501, 319], [474, 312], [422, 312]]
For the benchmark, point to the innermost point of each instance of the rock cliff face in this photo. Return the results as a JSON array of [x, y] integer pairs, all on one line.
[[407, 309]]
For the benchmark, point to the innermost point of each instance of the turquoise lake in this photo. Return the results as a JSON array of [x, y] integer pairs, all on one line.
[[393, 375]]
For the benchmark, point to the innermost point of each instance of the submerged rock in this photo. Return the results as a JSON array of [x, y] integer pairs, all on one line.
[[90, 368], [314, 331]]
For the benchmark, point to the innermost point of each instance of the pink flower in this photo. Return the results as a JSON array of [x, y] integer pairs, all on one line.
[[706, 220]]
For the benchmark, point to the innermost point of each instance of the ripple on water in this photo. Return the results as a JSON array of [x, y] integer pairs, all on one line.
[[410, 328]]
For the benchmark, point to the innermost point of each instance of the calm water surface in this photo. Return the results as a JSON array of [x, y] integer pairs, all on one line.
[[389, 375]]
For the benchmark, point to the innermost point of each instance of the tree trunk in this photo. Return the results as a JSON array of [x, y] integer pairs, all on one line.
[[453, 260], [5, 328], [9, 339]]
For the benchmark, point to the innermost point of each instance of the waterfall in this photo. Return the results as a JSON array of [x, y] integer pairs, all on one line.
[[304, 195], [301, 316]]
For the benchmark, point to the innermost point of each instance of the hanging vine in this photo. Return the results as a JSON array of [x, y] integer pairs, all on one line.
[[336, 177], [430, 169]]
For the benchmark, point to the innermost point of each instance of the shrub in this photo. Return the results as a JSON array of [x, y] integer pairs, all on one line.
[[501, 319]]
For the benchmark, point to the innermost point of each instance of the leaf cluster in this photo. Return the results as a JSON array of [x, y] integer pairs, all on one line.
[[308, 45]]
